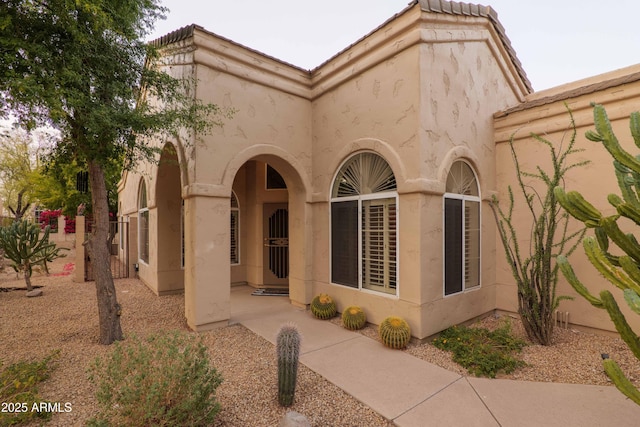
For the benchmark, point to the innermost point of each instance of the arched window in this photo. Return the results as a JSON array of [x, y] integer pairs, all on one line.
[[143, 224], [235, 228], [364, 225], [461, 230]]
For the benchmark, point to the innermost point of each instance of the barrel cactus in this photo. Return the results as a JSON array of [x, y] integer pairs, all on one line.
[[394, 332], [288, 351], [353, 318], [323, 307]]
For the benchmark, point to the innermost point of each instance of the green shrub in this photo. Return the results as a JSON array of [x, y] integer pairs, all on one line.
[[18, 390], [483, 352], [165, 379]]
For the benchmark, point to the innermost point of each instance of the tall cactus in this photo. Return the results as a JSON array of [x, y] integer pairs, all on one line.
[[23, 245], [623, 271], [288, 350], [534, 266]]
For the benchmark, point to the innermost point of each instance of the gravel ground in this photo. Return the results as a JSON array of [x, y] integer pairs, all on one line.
[[65, 319]]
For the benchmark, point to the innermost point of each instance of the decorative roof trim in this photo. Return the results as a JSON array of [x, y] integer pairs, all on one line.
[[432, 6], [571, 93], [469, 9]]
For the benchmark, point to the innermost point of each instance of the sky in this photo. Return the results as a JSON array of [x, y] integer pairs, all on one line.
[[557, 41]]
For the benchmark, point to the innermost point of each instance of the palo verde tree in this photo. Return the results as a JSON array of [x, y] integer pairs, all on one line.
[[83, 67], [621, 269], [17, 165], [534, 268]]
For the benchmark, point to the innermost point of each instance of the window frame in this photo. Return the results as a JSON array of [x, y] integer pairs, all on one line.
[[143, 212], [360, 198], [464, 198]]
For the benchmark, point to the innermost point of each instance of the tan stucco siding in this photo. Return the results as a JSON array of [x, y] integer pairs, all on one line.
[[594, 181]]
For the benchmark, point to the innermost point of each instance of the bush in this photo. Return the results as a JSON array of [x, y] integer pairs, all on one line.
[[483, 352], [166, 379], [50, 218], [18, 389]]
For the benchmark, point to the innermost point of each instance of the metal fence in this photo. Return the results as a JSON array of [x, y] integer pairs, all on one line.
[[119, 250]]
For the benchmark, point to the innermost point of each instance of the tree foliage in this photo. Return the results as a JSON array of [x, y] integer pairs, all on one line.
[[17, 169], [82, 67], [534, 268], [623, 271], [26, 248]]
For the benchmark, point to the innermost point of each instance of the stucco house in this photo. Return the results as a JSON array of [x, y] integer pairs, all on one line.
[[367, 178]]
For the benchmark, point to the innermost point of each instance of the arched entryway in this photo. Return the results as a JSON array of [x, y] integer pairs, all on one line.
[[269, 212], [209, 271], [170, 261]]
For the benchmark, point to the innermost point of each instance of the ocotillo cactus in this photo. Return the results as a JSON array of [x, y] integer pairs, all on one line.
[[23, 245], [622, 271], [288, 350]]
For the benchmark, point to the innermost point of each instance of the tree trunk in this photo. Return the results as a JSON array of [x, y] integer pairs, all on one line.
[[19, 211], [108, 308], [27, 277]]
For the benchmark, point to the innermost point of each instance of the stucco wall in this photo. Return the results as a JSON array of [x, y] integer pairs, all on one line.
[[420, 91], [594, 181], [421, 107]]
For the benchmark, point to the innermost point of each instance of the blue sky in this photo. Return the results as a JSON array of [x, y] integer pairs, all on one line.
[[557, 41]]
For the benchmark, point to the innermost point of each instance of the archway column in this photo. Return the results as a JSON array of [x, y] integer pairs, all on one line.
[[207, 267]]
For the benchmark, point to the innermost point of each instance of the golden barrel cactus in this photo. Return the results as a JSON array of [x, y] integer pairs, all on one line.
[[323, 307], [353, 318], [394, 332]]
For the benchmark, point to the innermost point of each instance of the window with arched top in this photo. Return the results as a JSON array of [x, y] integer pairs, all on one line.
[[235, 229], [364, 216], [143, 224], [461, 229]]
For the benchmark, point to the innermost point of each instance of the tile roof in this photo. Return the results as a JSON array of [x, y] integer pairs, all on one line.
[[176, 36], [572, 93], [469, 9]]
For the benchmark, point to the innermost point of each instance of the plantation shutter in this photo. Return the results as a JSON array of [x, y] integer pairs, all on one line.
[[471, 244], [363, 231], [379, 245]]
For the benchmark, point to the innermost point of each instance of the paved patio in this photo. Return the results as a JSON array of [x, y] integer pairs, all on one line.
[[414, 393]]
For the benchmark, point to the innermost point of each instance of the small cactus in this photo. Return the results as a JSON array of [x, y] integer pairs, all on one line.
[[323, 307], [288, 351], [394, 332], [353, 318]]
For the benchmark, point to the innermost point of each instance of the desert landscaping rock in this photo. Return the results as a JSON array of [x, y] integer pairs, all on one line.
[[294, 419], [66, 319], [34, 293]]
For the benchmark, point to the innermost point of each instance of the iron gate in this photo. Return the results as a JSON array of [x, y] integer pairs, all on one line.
[[119, 250]]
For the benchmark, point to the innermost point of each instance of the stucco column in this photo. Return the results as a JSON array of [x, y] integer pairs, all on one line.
[[300, 252], [207, 290], [132, 245], [79, 268]]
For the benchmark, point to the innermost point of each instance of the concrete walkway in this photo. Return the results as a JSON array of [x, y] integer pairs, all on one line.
[[414, 393]]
